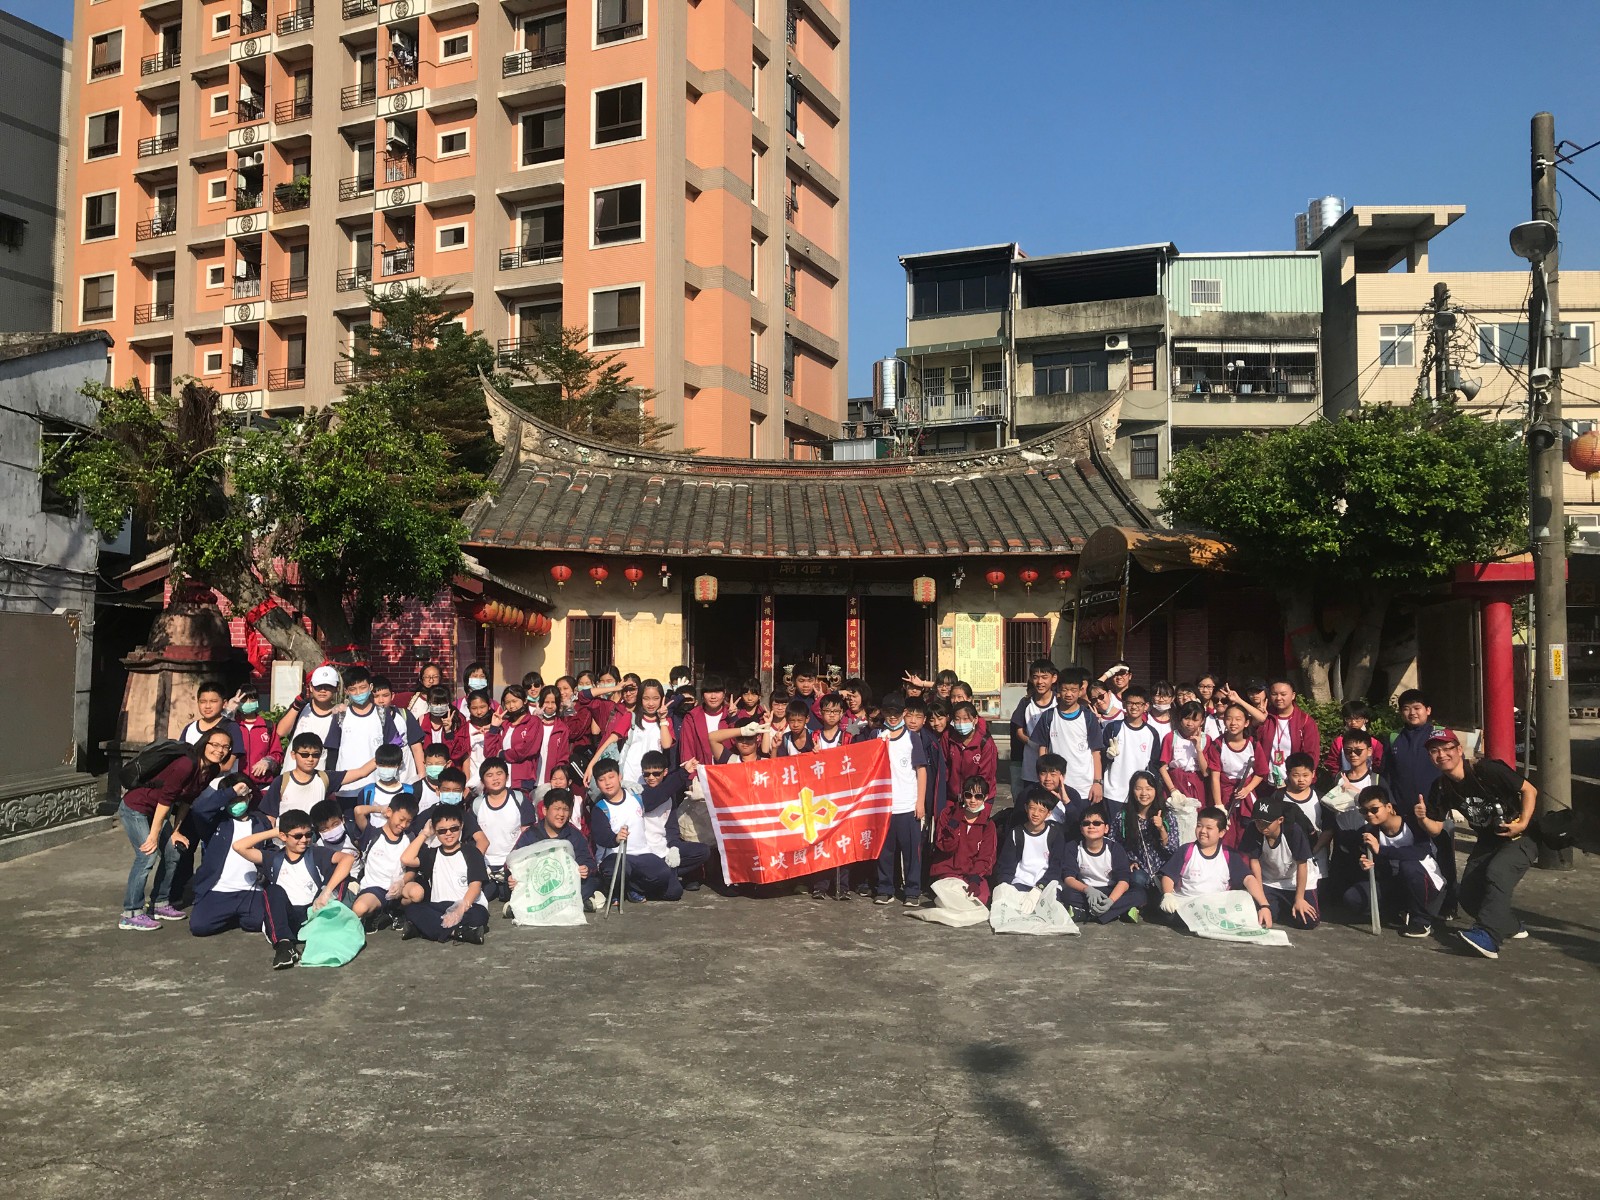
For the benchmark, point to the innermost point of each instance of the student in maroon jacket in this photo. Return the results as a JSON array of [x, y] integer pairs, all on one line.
[[1288, 729], [711, 714], [968, 751], [965, 842], [144, 811]]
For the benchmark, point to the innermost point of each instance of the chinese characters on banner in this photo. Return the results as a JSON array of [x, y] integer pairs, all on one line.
[[784, 818]]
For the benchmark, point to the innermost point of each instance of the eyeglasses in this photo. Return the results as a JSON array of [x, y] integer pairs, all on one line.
[[296, 837], [446, 830], [1091, 825], [307, 753], [653, 774], [974, 795]]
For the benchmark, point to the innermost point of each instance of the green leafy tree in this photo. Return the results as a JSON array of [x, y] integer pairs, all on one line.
[[346, 512], [427, 369], [583, 392], [1340, 517]]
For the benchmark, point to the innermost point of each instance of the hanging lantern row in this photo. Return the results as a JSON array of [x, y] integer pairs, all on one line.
[[508, 616], [561, 573], [1099, 629]]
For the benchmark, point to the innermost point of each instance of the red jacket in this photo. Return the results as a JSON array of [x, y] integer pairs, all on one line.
[[521, 749], [1304, 736], [694, 739], [461, 743], [260, 741], [964, 850], [976, 756]]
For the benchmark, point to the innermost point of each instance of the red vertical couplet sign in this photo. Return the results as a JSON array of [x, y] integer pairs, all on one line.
[[768, 626], [784, 818], [852, 636]]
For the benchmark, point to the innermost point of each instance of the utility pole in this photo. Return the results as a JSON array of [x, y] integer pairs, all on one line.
[[1548, 523], [1444, 324]]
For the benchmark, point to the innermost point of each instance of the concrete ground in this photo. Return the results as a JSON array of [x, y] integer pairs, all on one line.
[[787, 1047]]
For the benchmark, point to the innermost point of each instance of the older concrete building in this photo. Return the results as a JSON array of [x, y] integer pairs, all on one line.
[[35, 75], [672, 177]]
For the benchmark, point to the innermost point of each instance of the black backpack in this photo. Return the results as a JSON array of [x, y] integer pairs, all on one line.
[[150, 762]]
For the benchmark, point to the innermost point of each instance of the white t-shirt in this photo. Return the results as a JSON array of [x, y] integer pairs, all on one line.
[[1277, 772], [238, 872], [476, 755], [1406, 838], [547, 728], [1035, 858], [381, 796], [626, 810], [1238, 765], [296, 881], [1031, 716], [501, 826], [1095, 869], [905, 756], [1312, 807], [359, 737], [1184, 755], [644, 735], [1069, 737], [1204, 876], [1134, 748], [1278, 866], [382, 866], [293, 794], [449, 880], [310, 722]]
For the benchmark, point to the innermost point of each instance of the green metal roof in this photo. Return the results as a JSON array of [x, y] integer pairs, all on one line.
[[988, 343], [1287, 282]]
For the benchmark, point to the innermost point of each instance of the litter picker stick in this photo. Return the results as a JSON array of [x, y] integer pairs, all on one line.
[[613, 892], [1372, 896]]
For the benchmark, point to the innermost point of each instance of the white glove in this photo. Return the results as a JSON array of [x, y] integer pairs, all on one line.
[[1098, 901], [673, 857], [753, 729], [1169, 902]]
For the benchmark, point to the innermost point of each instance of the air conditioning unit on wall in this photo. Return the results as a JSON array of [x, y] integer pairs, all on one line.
[[1117, 343]]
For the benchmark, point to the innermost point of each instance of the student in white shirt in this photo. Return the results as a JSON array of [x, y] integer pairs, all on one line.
[[444, 900], [1072, 731], [1205, 867], [500, 816], [908, 775], [313, 714], [298, 880], [382, 876]]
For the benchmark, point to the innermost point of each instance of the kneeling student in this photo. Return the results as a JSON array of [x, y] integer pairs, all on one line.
[[1032, 851], [1206, 867], [1401, 850], [299, 879], [1281, 848], [1099, 879], [444, 900], [556, 824], [964, 841], [226, 893], [382, 876]]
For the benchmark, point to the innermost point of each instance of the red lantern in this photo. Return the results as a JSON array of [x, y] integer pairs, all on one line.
[[1029, 577], [633, 575], [1583, 454], [532, 625], [480, 614], [561, 573], [705, 588], [598, 574], [545, 625], [923, 589], [994, 579], [1062, 575]]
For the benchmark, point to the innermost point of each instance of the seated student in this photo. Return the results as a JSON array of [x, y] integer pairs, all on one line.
[[334, 834], [303, 786], [965, 841], [226, 894], [1032, 851], [1410, 883], [1070, 805], [636, 823], [1299, 790], [1146, 835], [556, 824], [1281, 848], [263, 750], [1205, 867], [500, 816], [373, 801], [299, 879], [1099, 882], [444, 898], [382, 876]]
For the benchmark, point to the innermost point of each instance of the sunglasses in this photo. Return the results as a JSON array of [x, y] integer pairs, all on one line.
[[1372, 812], [307, 753], [296, 837], [653, 774], [446, 829], [1091, 825]]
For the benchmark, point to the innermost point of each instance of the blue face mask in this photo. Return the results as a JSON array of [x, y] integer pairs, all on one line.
[[238, 808], [358, 698], [478, 685], [433, 770], [449, 797], [962, 727], [250, 707], [893, 725]]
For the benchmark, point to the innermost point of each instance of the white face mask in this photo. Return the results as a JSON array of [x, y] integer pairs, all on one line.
[[334, 834], [388, 774], [439, 710]]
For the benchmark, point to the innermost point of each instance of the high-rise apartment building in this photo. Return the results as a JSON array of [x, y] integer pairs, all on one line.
[[35, 77], [669, 174]]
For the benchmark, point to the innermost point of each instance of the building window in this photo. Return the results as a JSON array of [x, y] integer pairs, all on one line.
[[220, 24], [619, 114], [1395, 347], [452, 144], [1080, 371], [213, 363], [618, 20], [217, 190], [1504, 345], [99, 298], [615, 319], [1027, 639], [99, 216], [591, 644], [939, 291], [219, 104], [791, 105], [11, 231], [544, 136], [452, 237], [619, 214], [457, 45], [216, 276], [933, 384], [55, 443], [993, 377], [1205, 293], [1144, 456], [103, 134], [105, 54], [1581, 354]]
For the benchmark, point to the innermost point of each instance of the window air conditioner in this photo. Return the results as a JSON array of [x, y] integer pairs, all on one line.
[[1117, 343]]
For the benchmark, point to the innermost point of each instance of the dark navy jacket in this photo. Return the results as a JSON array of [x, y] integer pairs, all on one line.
[[536, 833], [214, 827], [1009, 855]]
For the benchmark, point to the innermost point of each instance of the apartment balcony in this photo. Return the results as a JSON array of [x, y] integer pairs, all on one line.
[[247, 287], [296, 109], [346, 370], [789, 207], [292, 288], [152, 64], [297, 21], [286, 379], [397, 168], [512, 352], [247, 111], [400, 261], [246, 201], [788, 383], [161, 223], [252, 23], [529, 256], [352, 279], [524, 61], [102, 70], [358, 95], [242, 375], [939, 408], [355, 187], [791, 26], [351, 9], [758, 377], [290, 197], [146, 314], [161, 143], [789, 296], [619, 32]]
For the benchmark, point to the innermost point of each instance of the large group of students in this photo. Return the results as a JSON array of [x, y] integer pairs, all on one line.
[[1126, 798]]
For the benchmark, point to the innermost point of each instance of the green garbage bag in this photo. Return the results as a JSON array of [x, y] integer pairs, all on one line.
[[333, 936]]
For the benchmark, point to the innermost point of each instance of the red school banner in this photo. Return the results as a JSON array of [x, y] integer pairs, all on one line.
[[785, 818]]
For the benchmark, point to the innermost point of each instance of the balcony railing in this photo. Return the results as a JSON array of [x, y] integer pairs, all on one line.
[[297, 109], [287, 197], [242, 375], [352, 279], [616, 33], [286, 379], [247, 287], [944, 408], [292, 288], [345, 370], [398, 167], [402, 73], [508, 352], [355, 187], [245, 201], [399, 262], [358, 94], [252, 23], [160, 144], [248, 110], [150, 64], [788, 383], [295, 22], [101, 70], [524, 61], [358, 8], [788, 296], [758, 377], [145, 314], [789, 207], [791, 26], [159, 224], [529, 256]]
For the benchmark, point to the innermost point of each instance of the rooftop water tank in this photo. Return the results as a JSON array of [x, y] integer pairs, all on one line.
[[888, 385]]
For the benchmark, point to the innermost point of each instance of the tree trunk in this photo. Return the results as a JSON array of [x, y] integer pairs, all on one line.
[[325, 606], [277, 625], [1313, 652], [1361, 654]]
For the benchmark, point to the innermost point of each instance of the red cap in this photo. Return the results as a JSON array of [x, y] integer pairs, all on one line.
[[1443, 735]]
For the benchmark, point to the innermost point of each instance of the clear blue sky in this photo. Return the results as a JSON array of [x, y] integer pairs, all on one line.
[[1067, 126]]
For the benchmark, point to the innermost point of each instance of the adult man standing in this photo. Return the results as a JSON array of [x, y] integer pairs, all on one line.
[[1498, 805], [1288, 729]]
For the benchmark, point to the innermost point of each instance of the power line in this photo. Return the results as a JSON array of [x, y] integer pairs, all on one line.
[[1577, 181], [1564, 158]]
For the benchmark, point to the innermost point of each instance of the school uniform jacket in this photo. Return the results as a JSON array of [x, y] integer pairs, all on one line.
[[214, 828], [1304, 736], [1009, 853], [966, 850], [962, 760], [261, 741], [461, 743], [581, 850], [694, 735]]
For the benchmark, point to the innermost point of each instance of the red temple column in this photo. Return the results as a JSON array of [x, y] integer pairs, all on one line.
[[1499, 681]]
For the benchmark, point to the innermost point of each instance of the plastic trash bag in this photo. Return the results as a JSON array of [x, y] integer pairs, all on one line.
[[1034, 910], [548, 890], [1228, 917], [953, 905], [333, 936]]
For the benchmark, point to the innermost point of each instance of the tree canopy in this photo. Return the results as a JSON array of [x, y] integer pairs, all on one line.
[[580, 391], [1339, 516]]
